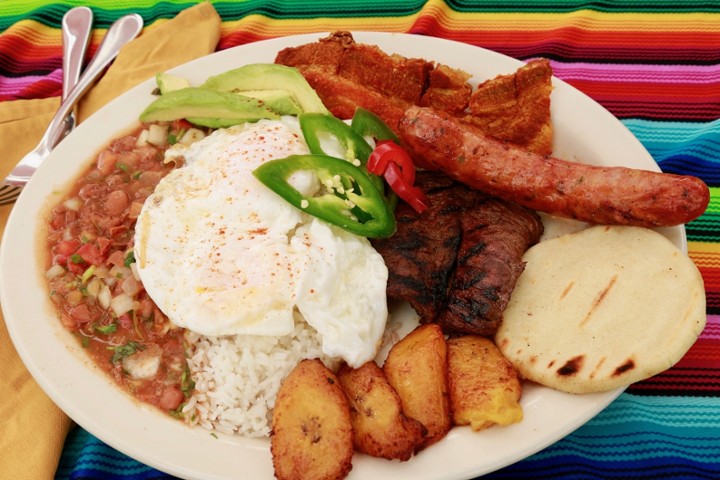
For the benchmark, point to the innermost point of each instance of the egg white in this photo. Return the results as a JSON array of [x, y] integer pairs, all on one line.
[[221, 254]]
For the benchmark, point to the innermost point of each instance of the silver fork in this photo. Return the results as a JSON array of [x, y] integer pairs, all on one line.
[[76, 29], [120, 33]]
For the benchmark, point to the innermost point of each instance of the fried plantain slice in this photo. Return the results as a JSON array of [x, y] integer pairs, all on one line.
[[380, 428], [484, 387], [416, 367], [311, 429]]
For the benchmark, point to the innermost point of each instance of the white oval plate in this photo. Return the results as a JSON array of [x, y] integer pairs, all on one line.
[[584, 131]]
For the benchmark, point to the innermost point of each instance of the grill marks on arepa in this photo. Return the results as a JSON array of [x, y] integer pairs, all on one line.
[[602, 295]]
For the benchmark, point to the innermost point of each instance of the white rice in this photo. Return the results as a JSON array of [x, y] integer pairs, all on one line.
[[237, 377]]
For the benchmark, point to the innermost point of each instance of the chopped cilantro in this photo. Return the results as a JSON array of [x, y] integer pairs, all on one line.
[[178, 413], [187, 384], [106, 328], [76, 259], [122, 351], [174, 137], [130, 258]]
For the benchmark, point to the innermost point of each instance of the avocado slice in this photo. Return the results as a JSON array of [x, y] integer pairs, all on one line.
[[199, 102], [268, 76], [280, 101], [214, 123], [167, 82]]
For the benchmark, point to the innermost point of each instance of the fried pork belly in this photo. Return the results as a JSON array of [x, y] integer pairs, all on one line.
[[347, 74], [516, 107], [448, 90]]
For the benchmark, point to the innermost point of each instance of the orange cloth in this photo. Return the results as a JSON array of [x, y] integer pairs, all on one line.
[[32, 428]]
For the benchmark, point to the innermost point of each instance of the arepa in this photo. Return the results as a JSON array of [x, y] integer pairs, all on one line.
[[602, 308]]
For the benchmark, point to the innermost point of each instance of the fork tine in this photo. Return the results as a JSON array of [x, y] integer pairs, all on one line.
[[9, 193]]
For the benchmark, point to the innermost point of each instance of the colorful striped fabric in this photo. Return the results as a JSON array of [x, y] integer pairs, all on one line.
[[655, 64]]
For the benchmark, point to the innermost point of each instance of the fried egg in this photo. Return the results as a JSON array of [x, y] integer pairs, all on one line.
[[221, 254]]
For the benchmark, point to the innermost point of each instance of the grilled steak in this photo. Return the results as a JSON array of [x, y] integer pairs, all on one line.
[[457, 263], [421, 254], [494, 236]]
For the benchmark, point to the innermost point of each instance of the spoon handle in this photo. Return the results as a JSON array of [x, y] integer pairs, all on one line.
[[76, 28]]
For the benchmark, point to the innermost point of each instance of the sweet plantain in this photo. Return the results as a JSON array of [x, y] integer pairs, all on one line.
[[311, 428], [416, 367], [484, 387], [380, 428]]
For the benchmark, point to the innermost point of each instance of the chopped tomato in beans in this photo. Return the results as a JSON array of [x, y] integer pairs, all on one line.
[[92, 280]]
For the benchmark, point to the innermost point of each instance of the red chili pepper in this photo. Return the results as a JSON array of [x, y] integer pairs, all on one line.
[[393, 162], [386, 152], [408, 192]]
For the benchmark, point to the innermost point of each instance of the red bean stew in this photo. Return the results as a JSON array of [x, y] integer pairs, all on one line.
[[92, 279]]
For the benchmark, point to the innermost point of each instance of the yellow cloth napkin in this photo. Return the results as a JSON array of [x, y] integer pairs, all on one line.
[[32, 428]]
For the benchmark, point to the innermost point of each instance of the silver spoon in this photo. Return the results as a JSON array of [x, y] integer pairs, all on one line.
[[76, 29], [120, 33]]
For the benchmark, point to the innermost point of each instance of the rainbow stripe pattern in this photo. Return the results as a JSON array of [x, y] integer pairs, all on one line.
[[655, 64]]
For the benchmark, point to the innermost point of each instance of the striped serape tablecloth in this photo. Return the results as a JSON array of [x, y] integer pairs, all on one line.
[[654, 64]]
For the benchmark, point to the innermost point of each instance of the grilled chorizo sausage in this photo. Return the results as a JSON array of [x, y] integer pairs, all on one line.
[[594, 194]]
